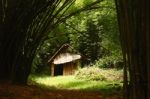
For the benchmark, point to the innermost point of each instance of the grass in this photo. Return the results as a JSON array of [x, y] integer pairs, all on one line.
[[71, 83]]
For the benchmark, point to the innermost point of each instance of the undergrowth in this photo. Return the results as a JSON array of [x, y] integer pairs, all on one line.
[[107, 86], [97, 74]]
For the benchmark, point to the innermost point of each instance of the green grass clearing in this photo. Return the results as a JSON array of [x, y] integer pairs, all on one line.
[[71, 83]]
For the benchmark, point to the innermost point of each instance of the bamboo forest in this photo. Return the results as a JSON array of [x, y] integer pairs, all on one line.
[[74, 49]]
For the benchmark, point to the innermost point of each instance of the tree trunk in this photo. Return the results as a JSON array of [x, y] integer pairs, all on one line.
[[134, 22]]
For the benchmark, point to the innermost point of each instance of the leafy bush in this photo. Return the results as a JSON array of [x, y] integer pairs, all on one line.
[[90, 73], [109, 62], [97, 74]]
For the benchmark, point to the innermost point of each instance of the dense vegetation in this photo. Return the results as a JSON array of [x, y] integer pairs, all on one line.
[[99, 74], [93, 33]]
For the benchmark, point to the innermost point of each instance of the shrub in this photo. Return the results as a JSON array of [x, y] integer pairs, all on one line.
[[109, 62], [90, 73], [97, 74]]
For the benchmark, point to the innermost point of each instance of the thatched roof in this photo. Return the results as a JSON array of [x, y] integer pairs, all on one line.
[[65, 58], [61, 57]]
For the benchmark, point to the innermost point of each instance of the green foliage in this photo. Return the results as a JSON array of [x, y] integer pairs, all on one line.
[[90, 73], [93, 73], [90, 43], [93, 33], [109, 62], [97, 35], [55, 39]]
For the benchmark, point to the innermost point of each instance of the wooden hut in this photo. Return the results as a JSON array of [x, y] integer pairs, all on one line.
[[64, 62]]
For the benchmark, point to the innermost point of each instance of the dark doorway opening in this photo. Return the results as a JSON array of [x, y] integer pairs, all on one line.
[[58, 70]]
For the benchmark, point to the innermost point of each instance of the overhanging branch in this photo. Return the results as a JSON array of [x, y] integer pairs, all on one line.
[[86, 8]]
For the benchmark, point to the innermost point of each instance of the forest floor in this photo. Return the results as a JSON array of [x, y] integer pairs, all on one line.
[[9, 91]]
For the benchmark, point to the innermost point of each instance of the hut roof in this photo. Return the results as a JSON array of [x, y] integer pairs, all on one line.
[[65, 58], [61, 57]]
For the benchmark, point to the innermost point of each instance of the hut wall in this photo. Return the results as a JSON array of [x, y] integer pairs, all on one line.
[[69, 68]]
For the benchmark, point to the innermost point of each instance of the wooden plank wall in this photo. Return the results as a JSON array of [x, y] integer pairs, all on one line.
[[68, 68]]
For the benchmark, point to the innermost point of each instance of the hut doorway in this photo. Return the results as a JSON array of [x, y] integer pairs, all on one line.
[[58, 70]]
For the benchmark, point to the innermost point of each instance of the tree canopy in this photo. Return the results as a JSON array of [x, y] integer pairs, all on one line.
[[24, 25], [93, 33]]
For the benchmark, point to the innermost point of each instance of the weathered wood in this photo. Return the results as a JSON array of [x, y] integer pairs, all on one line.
[[52, 69], [68, 68], [69, 65]]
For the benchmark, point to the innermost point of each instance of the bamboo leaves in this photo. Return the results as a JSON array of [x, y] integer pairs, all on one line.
[[23, 25]]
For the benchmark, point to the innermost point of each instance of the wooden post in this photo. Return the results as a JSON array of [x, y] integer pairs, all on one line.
[[52, 69]]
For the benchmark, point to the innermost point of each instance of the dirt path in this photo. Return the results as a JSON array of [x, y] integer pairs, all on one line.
[[8, 91]]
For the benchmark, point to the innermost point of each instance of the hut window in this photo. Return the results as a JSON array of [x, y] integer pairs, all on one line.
[[58, 70]]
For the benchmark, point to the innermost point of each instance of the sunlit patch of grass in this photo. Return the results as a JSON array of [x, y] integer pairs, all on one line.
[[58, 82], [71, 83]]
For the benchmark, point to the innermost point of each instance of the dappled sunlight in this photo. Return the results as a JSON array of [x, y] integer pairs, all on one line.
[[72, 83], [52, 81]]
